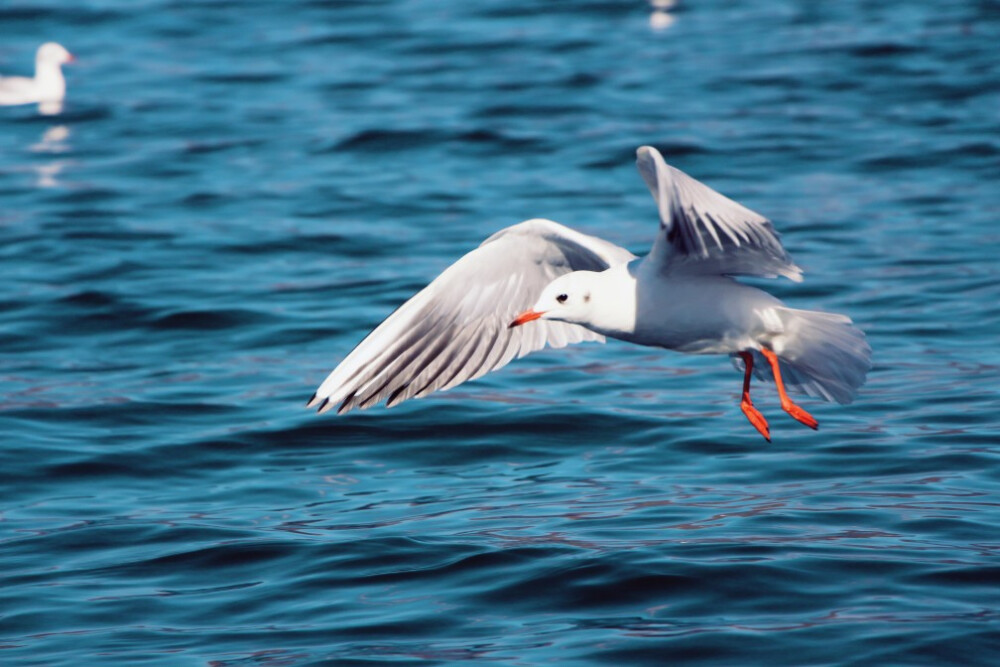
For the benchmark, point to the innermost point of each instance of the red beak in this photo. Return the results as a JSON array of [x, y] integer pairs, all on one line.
[[71, 59], [526, 316]]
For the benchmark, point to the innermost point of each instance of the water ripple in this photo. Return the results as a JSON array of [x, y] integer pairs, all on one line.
[[234, 195]]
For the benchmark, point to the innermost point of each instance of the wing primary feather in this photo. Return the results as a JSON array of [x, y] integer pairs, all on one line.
[[511, 344], [707, 222], [391, 400], [346, 402], [429, 383], [381, 362], [454, 378], [437, 377], [396, 370], [413, 370], [496, 351], [479, 363]]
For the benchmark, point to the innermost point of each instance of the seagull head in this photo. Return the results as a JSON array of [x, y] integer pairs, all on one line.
[[568, 298], [53, 54]]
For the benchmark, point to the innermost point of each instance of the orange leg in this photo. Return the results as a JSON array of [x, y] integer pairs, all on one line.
[[752, 413], [786, 403]]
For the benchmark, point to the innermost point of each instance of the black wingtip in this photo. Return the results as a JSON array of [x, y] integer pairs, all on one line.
[[310, 401]]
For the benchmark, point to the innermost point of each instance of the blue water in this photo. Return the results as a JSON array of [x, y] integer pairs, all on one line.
[[236, 192]]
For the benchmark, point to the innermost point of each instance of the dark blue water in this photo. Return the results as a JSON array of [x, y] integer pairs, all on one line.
[[236, 192]]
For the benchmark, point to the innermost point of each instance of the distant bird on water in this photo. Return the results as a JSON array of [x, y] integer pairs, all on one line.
[[48, 85], [539, 283]]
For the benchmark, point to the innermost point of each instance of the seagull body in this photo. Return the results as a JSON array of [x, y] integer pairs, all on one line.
[[674, 318], [48, 85], [540, 283]]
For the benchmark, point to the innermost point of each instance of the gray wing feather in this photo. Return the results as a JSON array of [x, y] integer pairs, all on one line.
[[456, 330], [702, 231]]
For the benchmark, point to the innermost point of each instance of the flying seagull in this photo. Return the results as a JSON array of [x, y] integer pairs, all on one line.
[[540, 283]]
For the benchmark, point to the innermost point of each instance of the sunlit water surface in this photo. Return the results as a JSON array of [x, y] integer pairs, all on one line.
[[236, 192]]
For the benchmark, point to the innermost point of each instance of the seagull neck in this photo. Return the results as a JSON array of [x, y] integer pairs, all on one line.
[[50, 81]]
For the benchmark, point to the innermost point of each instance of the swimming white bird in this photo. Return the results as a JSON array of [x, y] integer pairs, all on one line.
[[47, 87], [539, 283]]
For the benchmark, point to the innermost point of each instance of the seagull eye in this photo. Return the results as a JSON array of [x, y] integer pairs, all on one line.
[[562, 298]]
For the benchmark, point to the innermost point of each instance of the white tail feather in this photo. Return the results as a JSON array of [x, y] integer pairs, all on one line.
[[821, 354]]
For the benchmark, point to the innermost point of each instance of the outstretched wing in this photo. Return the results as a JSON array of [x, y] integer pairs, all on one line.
[[702, 231], [455, 329]]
